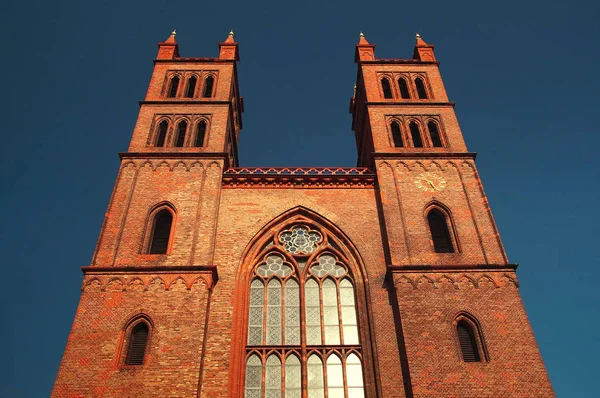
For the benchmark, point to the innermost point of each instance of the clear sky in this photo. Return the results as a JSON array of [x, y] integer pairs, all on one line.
[[524, 76]]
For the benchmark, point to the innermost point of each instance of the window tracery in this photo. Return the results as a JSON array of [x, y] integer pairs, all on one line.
[[302, 321]]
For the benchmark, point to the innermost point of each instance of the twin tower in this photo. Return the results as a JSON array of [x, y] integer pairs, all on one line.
[[388, 279]]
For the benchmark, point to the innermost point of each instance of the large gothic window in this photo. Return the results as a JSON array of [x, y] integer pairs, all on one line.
[[302, 321]]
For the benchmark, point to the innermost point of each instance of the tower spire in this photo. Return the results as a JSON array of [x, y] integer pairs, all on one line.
[[364, 50], [423, 51], [228, 49], [168, 49]]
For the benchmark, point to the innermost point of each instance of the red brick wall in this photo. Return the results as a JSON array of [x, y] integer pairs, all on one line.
[[93, 363]]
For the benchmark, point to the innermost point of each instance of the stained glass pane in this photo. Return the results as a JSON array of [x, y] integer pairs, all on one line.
[[315, 377], [292, 312], [348, 312], [273, 377], [293, 377], [327, 266], [330, 308], [335, 377], [274, 266], [354, 377], [313, 313], [255, 318], [274, 312], [253, 377]]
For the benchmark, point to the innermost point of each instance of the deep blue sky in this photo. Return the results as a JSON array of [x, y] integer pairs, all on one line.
[[524, 75]]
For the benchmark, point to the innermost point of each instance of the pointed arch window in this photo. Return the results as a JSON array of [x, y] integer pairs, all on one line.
[[421, 88], [404, 93], [173, 86], [191, 86], [415, 133], [387, 88], [302, 301], [138, 340], [181, 129], [397, 135], [434, 133], [161, 232], [208, 87], [470, 339], [200, 134], [440, 233], [161, 135]]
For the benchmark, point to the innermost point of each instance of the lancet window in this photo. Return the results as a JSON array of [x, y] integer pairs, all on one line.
[[302, 321]]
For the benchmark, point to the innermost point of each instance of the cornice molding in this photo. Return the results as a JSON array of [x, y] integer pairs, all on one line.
[[412, 103], [398, 61], [172, 155], [186, 101], [430, 155], [299, 177]]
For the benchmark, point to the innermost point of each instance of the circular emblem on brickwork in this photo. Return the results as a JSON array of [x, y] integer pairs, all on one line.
[[430, 182]]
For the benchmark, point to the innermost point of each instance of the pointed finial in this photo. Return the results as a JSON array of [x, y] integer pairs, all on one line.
[[417, 36], [361, 34], [174, 32], [231, 32]]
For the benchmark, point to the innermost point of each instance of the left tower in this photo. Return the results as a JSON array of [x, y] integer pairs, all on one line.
[[147, 289]]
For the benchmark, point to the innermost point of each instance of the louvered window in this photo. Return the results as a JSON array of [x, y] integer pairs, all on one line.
[[397, 135], [434, 132], [208, 87], [162, 133], [440, 235], [191, 87], [200, 133], [387, 89], [138, 341], [181, 128], [173, 87], [404, 93], [420, 88], [161, 232], [467, 341], [415, 133]]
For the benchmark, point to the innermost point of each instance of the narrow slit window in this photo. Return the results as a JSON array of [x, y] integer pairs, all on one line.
[[138, 341], [420, 88], [191, 87], [181, 129], [200, 133], [434, 133], [387, 89], [415, 133], [467, 341], [397, 135], [173, 87], [440, 234], [161, 137], [161, 232], [404, 93], [208, 87]]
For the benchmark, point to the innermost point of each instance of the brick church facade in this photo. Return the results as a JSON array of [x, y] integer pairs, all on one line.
[[388, 279]]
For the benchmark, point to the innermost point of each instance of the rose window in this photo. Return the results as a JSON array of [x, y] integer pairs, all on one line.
[[300, 240]]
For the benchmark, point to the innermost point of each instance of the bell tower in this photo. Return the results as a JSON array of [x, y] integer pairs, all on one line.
[[445, 261], [144, 304]]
